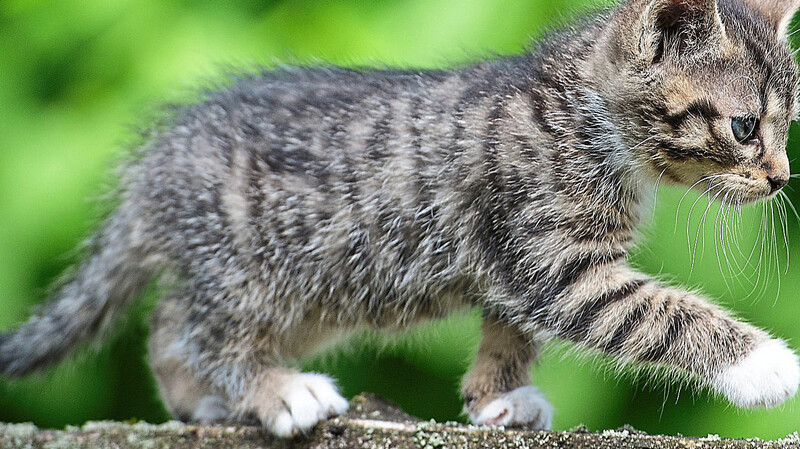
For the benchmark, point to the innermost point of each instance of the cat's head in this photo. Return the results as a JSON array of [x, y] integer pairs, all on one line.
[[705, 90]]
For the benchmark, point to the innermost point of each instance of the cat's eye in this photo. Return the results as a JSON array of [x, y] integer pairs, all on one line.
[[744, 128]]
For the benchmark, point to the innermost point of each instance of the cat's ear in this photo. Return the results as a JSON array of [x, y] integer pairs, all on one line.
[[652, 31], [678, 28], [778, 13]]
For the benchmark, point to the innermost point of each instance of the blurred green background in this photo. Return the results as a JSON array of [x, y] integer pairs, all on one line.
[[75, 75]]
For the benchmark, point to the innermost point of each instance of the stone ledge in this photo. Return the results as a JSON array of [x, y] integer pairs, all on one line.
[[371, 423]]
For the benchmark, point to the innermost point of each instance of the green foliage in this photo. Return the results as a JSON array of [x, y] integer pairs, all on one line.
[[76, 74]]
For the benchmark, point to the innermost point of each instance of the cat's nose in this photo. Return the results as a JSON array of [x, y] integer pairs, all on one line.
[[776, 169], [777, 181]]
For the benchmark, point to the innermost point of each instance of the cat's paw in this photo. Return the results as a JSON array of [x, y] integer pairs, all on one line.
[[307, 399], [523, 407], [766, 377]]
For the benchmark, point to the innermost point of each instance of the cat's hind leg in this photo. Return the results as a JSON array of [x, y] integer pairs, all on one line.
[[188, 396], [248, 375], [288, 402], [248, 360], [497, 390]]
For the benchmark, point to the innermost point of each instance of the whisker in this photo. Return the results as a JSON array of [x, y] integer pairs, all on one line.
[[749, 260], [717, 239], [643, 142], [655, 193], [704, 178], [693, 252], [775, 251], [791, 205], [762, 236], [735, 235], [730, 245], [784, 218]]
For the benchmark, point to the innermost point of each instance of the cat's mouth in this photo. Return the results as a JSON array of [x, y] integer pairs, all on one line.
[[738, 189]]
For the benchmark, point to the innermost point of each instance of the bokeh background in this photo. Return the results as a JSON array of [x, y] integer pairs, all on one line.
[[77, 76]]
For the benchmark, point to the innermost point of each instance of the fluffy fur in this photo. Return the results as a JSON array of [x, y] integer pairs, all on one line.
[[300, 204]]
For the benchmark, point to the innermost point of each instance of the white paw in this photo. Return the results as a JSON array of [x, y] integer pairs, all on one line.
[[210, 410], [766, 377], [524, 406], [308, 399]]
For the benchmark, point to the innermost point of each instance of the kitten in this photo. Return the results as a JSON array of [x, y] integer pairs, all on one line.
[[300, 204]]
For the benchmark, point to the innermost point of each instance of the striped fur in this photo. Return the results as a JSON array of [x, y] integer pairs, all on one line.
[[300, 204]]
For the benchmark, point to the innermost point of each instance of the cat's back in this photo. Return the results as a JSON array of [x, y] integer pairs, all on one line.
[[299, 155], [299, 120]]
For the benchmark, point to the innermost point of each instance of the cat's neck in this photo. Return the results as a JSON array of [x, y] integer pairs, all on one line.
[[592, 160]]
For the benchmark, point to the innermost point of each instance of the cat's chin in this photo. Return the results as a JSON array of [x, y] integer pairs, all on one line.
[[736, 194], [744, 200]]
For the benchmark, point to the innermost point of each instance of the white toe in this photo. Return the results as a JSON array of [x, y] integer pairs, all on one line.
[[766, 377], [525, 406], [283, 425], [303, 406], [324, 390], [496, 413], [309, 398]]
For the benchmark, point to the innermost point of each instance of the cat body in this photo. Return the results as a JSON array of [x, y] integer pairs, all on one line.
[[302, 204]]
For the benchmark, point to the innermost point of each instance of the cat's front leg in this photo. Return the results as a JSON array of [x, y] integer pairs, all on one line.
[[636, 319], [497, 390]]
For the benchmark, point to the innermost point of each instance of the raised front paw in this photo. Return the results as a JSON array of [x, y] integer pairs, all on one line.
[[766, 377], [523, 407]]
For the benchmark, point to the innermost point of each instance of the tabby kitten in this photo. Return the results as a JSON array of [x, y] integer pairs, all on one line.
[[301, 204]]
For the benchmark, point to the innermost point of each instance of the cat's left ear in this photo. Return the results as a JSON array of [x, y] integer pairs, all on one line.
[[665, 30], [678, 29], [778, 13]]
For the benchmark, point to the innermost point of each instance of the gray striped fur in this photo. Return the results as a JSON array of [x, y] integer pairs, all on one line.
[[304, 203]]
